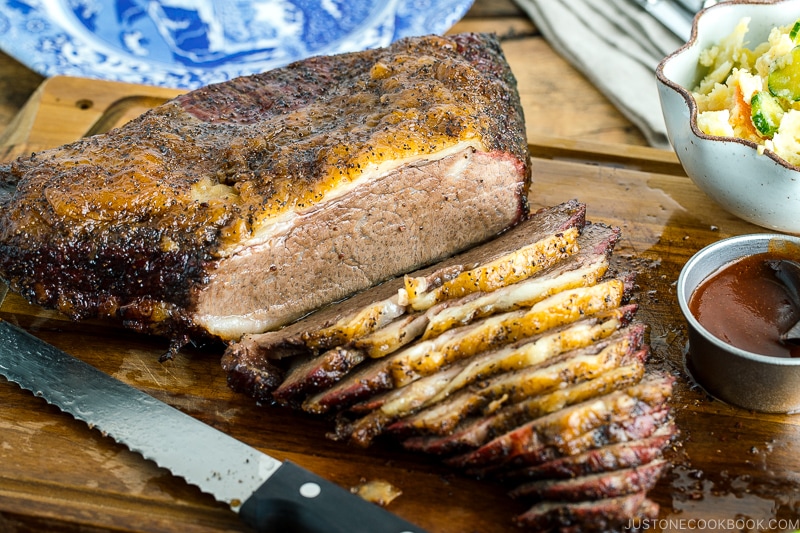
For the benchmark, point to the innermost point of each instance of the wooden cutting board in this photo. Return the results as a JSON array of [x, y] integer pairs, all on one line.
[[56, 474]]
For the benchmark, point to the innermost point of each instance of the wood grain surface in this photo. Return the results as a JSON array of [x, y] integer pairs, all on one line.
[[731, 467]]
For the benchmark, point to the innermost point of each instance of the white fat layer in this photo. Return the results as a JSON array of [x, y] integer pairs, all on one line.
[[232, 327]]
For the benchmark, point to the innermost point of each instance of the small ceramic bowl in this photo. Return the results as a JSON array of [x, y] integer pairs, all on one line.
[[761, 188], [739, 377]]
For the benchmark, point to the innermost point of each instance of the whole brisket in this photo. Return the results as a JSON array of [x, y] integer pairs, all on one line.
[[244, 205]]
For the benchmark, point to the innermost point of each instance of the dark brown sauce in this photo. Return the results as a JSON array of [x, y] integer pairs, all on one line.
[[746, 305]]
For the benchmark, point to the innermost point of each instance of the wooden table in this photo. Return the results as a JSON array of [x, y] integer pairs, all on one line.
[[58, 475]]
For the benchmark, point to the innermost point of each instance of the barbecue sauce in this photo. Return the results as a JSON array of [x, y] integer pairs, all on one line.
[[746, 305]]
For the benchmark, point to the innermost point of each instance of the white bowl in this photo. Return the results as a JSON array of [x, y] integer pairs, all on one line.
[[761, 188]]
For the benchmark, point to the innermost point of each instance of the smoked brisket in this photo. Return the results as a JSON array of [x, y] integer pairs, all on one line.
[[242, 206]]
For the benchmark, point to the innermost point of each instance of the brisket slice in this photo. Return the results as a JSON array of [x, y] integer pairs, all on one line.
[[244, 205], [608, 514], [606, 484], [612, 457]]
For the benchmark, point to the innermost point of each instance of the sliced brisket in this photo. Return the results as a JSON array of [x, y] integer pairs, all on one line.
[[541, 383]]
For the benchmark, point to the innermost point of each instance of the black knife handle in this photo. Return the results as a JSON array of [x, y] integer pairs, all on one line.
[[294, 500]]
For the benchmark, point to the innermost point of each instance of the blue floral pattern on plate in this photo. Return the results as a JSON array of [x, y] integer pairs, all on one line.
[[188, 44]]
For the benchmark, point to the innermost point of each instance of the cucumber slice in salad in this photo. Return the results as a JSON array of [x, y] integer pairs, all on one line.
[[784, 79], [766, 113], [795, 31]]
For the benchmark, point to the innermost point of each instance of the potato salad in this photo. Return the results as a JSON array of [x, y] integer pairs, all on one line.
[[753, 93]]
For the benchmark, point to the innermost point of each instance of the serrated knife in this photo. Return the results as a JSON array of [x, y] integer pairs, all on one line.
[[269, 495]]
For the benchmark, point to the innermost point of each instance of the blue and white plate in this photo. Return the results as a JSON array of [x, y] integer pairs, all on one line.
[[191, 43]]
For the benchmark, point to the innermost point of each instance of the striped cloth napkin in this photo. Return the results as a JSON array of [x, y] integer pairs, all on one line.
[[617, 46]]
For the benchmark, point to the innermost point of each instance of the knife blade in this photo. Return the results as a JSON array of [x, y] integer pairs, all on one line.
[[269, 495]]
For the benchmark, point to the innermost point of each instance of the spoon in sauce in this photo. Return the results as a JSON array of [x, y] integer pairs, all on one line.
[[788, 272]]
